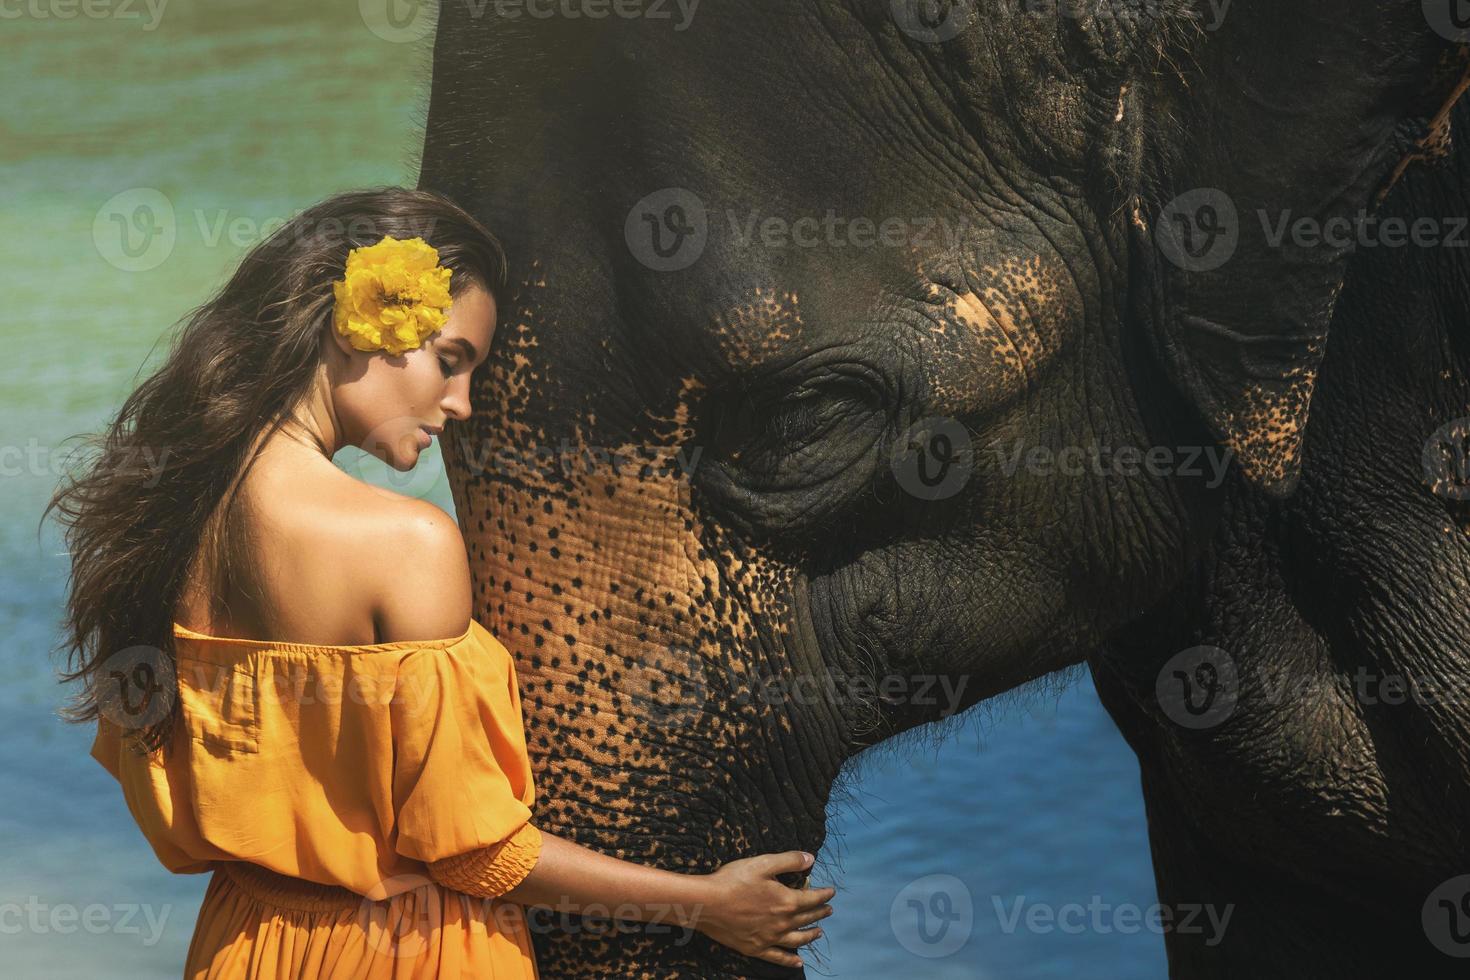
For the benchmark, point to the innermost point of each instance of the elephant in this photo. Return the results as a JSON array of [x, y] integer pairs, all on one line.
[[865, 360], [1325, 796]]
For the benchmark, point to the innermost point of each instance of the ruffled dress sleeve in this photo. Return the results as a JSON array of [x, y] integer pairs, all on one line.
[[462, 778]]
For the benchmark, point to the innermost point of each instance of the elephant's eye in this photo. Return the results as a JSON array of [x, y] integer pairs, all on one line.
[[777, 424], [799, 419], [787, 456]]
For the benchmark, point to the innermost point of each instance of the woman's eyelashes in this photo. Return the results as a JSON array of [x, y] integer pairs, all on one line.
[[445, 368]]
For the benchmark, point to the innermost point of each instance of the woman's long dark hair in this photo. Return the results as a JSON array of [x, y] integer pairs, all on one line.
[[168, 466]]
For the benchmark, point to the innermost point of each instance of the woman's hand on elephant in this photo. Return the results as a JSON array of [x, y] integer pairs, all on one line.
[[749, 911]]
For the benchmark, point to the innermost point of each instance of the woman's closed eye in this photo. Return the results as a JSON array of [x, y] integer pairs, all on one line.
[[445, 367]]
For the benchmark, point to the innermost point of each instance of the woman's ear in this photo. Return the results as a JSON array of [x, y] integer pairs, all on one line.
[[1283, 127], [339, 344]]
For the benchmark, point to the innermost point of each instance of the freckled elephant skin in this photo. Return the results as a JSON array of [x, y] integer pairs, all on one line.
[[797, 288]]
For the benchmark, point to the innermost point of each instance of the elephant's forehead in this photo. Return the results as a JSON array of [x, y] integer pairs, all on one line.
[[765, 325], [986, 339], [982, 337]]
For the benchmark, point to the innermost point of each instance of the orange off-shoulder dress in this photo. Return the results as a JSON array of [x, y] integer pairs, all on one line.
[[319, 782]]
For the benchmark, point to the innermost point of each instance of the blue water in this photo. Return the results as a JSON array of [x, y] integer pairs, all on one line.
[[248, 111]]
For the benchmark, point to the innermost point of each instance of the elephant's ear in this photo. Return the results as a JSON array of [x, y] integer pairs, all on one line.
[[1288, 118]]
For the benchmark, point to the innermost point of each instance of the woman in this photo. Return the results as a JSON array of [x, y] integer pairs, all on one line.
[[328, 736]]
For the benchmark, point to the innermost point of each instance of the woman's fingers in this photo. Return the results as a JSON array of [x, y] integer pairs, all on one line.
[[798, 937], [808, 899], [784, 957], [807, 918], [782, 862]]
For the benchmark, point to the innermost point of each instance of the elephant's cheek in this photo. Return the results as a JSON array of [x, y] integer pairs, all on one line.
[[630, 637]]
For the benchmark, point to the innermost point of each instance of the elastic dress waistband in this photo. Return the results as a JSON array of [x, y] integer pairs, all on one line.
[[287, 892]]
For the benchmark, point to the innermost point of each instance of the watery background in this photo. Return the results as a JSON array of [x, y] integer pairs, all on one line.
[[144, 149]]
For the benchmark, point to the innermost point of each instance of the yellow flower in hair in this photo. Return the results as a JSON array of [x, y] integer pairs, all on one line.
[[394, 296]]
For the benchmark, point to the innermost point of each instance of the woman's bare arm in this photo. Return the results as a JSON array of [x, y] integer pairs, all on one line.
[[741, 904], [567, 874]]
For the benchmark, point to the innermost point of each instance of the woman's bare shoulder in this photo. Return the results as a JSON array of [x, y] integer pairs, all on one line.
[[424, 575], [391, 560]]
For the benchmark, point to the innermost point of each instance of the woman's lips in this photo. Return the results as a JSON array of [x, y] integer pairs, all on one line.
[[424, 438]]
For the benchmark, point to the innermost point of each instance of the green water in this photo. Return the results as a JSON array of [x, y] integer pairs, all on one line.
[[141, 159], [223, 120], [220, 120]]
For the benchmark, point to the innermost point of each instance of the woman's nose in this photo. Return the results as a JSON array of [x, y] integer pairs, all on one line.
[[456, 403]]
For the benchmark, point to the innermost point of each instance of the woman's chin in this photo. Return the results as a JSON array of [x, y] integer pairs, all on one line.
[[404, 463]]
